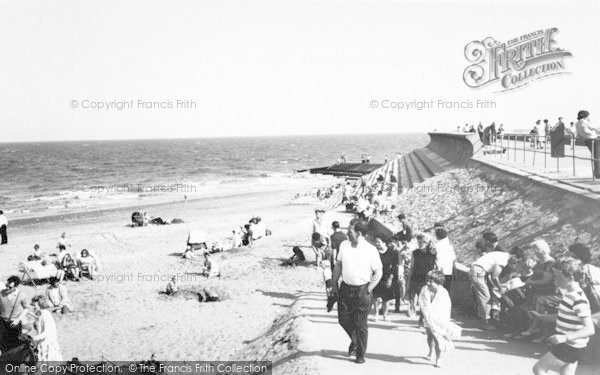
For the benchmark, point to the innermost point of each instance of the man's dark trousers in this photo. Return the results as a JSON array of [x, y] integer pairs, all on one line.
[[595, 155], [3, 236], [353, 309]]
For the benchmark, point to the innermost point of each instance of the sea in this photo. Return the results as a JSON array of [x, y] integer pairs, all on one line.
[[53, 178]]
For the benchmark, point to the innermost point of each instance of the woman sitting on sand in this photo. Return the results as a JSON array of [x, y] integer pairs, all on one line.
[[58, 297], [211, 268], [298, 256], [189, 253], [172, 287], [66, 265], [88, 264]]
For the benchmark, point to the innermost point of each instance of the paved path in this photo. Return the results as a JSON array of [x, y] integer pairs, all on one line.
[[399, 347], [522, 156]]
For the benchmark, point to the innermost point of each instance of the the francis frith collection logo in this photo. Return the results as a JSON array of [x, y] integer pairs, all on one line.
[[514, 63]]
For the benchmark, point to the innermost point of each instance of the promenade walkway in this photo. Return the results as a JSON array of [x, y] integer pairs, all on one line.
[[519, 155], [398, 346]]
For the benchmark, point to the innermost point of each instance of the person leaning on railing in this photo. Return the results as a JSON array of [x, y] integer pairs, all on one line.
[[589, 132]]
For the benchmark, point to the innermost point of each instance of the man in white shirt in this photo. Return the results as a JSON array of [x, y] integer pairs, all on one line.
[[360, 267], [445, 256], [3, 225]]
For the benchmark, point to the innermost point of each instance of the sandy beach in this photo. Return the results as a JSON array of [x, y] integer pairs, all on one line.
[[122, 316]]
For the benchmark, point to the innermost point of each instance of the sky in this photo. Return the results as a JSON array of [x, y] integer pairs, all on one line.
[[260, 68]]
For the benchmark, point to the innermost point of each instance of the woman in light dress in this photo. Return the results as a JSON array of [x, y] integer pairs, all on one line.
[[44, 334]]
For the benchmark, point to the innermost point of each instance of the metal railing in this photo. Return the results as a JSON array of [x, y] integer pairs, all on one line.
[[506, 145]]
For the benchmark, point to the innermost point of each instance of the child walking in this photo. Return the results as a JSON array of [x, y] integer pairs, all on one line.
[[435, 305]]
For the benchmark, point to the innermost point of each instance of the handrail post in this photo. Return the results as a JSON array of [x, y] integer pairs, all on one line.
[[573, 149], [593, 160], [545, 150], [537, 139], [500, 147]]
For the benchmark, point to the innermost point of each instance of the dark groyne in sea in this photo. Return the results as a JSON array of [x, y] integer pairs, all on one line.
[[516, 205]]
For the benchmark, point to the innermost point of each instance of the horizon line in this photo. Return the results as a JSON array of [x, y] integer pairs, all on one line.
[[210, 137]]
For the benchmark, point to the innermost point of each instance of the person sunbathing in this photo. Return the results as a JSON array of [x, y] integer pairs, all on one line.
[[58, 297], [208, 295], [37, 253], [172, 287], [66, 265], [298, 256], [211, 268], [88, 264], [189, 253]]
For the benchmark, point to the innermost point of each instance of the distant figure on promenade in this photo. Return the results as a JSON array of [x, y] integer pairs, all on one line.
[[472, 129], [546, 126], [446, 257], [558, 139], [574, 324], [465, 128], [458, 128], [500, 130], [589, 132], [3, 226], [360, 267], [435, 306], [541, 135], [493, 132], [480, 131]]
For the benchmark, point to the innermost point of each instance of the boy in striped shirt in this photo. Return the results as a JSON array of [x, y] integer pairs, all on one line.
[[574, 324]]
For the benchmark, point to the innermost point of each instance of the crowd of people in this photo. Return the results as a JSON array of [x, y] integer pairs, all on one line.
[[529, 292], [365, 271], [29, 322]]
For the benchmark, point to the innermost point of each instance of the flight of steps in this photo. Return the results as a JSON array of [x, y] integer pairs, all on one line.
[[420, 165]]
